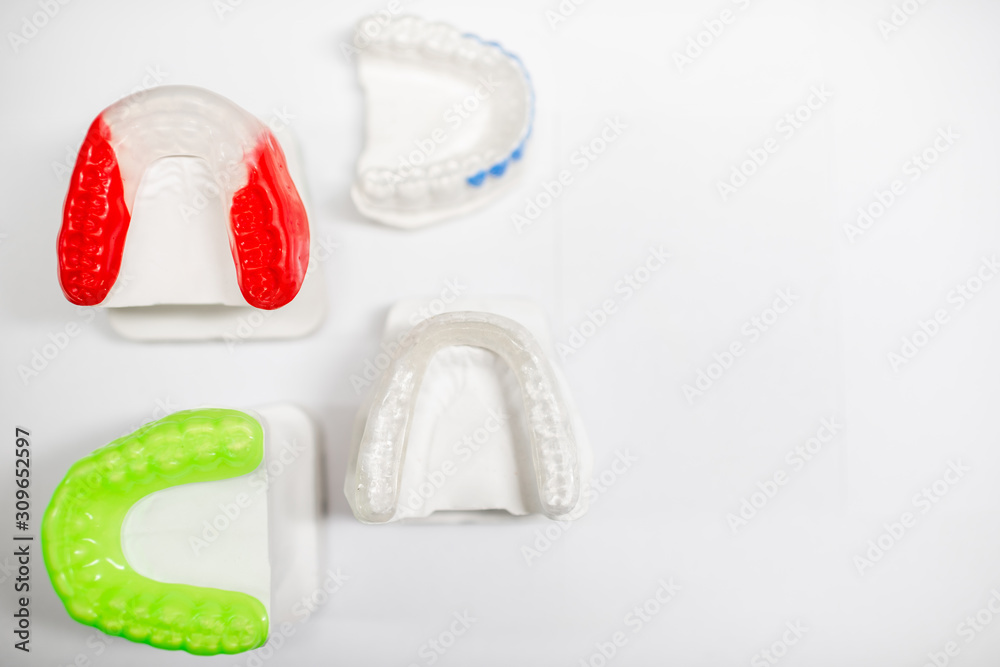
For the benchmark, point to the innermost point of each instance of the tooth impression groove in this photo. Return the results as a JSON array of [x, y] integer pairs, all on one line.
[[381, 453], [247, 164], [81, 535], [459, 179], [95, 220]]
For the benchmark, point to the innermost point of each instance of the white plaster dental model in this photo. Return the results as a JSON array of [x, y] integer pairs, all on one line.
[[183, 219], [468, 406], [197, 532], [448, 117]]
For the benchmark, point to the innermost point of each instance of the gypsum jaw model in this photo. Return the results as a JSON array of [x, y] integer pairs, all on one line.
[[412, 195], [373, 486], [268, 230], [82, 534]]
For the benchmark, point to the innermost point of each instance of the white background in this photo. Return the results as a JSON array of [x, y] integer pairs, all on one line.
[[666, 517]]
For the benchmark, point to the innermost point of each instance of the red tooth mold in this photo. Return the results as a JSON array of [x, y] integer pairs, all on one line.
[[268, 229], [95, 221], [268, 226]]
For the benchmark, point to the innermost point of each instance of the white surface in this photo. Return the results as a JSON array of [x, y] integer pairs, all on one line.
[[175, 252], [294, 506], [468, 448], [665, 515]]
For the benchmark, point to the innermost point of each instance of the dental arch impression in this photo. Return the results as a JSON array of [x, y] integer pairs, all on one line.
[[82, 535], [268, 227], [418, 193], [373, 485]]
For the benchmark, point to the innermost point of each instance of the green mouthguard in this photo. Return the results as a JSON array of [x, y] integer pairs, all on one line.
[[82, 546]]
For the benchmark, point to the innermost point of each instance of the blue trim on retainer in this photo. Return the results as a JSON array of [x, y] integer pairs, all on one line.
[[500, 168]]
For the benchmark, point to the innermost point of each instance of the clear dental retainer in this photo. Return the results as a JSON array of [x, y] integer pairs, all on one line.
[[448, 117], [470, 416]]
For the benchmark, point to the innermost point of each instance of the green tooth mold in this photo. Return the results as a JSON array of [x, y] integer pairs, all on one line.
[[81, 535]]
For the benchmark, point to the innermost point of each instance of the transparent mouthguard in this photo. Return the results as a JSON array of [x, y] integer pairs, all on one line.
[[382, 451], [443, 187], [268, 230]]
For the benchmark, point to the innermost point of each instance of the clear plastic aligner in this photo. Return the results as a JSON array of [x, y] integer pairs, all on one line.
[[381, 453], [399, 193], [268, 232]]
